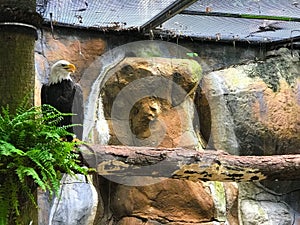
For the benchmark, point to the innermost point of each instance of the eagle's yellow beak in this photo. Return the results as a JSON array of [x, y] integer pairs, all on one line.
[[71, 68]]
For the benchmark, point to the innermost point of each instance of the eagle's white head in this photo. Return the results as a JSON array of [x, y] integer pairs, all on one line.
[[61, 70]]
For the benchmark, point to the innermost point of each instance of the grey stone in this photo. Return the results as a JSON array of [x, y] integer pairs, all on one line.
[[76, 204]]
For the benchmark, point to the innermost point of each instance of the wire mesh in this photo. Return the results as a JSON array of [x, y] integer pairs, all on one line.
[[113, 14], [227, 29], [216, 20], [289, 8]]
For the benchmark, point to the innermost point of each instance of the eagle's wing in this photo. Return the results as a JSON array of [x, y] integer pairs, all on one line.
[[66, 97], [78, 110]]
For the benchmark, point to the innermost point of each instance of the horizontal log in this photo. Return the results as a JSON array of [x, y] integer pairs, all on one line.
[[181, 163]]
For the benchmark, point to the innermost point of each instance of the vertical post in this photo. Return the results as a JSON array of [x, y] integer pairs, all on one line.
[[18, 22], [18, 19]]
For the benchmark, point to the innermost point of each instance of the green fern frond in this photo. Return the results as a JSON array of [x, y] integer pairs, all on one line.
[[44, 162], [4, 207], [24, 172], [31, 148], [7, 149], [14, 199]]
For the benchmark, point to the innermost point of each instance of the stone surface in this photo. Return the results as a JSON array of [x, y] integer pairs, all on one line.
[[219, 198], [153, 97], [247, 109], [252, 213], [259, 109], [222, 135], [80, 50], [254, 110], [149, 101], [231, 195], [261, 206], [167, 201], [77, 203]]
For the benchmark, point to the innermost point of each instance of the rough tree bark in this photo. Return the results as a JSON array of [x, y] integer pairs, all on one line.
[[179, 163], [18, 19], [17, 51]]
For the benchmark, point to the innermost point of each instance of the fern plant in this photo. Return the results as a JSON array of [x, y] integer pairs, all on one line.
[[31, 149]]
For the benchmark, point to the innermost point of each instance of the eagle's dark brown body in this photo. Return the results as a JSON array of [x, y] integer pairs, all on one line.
[[66, 97]]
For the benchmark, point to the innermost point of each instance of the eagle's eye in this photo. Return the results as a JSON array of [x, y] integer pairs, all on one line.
[[63, 65]]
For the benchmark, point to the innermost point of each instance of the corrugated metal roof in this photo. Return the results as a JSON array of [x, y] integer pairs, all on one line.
[[246, 20]]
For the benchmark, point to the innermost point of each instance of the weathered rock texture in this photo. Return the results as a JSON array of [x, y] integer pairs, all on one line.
[[167, 201], [254, 110], [149, 102], [81, 51], [252, 107], [76, 203], [258, 104], [153, 107]]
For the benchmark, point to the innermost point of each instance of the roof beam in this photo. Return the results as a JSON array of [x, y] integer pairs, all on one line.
[[172, 10]]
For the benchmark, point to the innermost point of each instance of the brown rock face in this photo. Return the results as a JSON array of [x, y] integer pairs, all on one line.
[[279, 113], [149, 101], [167, 201], [81, 52], [231, 194], [253, 109]]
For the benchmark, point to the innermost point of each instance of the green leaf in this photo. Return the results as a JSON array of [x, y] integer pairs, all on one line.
[[192, 54], [31, 148], [23, 171], [7, 149]]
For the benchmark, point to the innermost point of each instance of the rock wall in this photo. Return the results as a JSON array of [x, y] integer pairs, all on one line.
[[235, 104], [254, 110], [147, 102]]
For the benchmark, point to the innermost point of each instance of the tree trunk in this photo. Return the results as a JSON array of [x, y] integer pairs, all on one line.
[[18, 19], [17, 41], [16, 67], [179, 163]]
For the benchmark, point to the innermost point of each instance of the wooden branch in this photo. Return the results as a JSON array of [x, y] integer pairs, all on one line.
[[179, 163]]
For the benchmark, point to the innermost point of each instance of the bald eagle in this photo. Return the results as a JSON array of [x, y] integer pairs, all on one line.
[[64, 95]]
